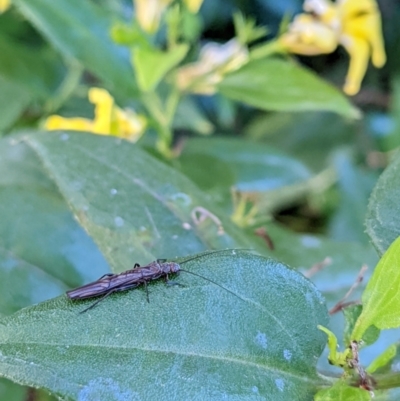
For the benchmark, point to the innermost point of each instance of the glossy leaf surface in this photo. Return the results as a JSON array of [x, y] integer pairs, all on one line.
[[43, 251], [80, 29], [136, 208], [194, 342], [273, 84]]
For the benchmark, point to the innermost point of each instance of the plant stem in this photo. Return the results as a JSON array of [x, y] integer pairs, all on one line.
[[266, 50], [66, 88], [163, 116]]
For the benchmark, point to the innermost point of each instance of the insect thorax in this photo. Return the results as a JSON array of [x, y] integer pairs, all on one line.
[[170, 267]]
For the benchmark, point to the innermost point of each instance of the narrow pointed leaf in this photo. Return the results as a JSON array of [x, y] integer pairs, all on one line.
[[273, 84], [383, 359], [381, 298], [342, 392], [151, 64]]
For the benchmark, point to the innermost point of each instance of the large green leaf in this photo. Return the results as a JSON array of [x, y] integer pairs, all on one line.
[[311, 137], [136, 208], [218, 164], [43, 251], [13, 100], [273, 84], [197, 342], [383, 218], [256, 166], [80, 29], [34, 71]]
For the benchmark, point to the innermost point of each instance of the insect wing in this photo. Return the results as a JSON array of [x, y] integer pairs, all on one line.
[[90, 290]]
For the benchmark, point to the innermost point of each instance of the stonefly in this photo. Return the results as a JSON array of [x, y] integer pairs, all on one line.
[[139, 275]]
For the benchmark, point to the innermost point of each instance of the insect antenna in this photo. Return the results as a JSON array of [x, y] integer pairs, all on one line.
[[211, 281], [213, 252]]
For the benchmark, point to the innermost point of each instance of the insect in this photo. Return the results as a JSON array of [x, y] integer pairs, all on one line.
[[139, 275]]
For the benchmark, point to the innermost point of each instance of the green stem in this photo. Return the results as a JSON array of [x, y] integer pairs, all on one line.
[[266, 50], [153, 105], [289, 195], [163, 116], [65, 90], [172, 105]]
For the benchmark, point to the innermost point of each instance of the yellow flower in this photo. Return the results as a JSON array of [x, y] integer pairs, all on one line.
[[109, 119], [214, 62], [354, 24], [362, 38], [4, 5], [148, 13], [309, 36], [55, 122], [193, 5]]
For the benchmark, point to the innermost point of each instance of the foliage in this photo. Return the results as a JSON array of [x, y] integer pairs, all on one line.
[[221, 153]]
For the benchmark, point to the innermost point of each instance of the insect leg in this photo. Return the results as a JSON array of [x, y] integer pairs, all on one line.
[[147, 291], [106, 275], [145, 286], [100, 299], [171, 282], [136, 265]]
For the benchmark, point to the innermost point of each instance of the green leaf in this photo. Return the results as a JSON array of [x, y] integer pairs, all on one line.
[[13, 101], [381, 303], [354, 186], [151, 64], [128, 34], [391, 138], [382, 359], [257, 167], [43, 251], [302, 251], [273, 84], [197, 342], [311, 137], [11, 391], [351, 314], [383, 218], [213, 176], [31, 70], [80, 29], [219, 164], [136, 208], [189, 116], [342, 392]]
